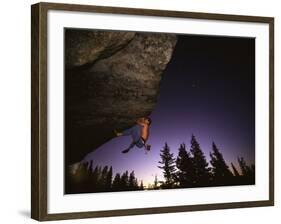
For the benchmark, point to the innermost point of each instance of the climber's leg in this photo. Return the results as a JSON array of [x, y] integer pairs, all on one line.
[[142, 144], [129, 148]]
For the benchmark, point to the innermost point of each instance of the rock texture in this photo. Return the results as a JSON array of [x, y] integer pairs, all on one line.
[[112, 78], [86, 46]]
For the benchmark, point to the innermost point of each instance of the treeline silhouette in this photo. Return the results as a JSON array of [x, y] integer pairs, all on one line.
[[100, 179], [191, 169]]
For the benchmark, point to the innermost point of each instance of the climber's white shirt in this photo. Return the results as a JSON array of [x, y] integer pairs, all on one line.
[[59, 203]]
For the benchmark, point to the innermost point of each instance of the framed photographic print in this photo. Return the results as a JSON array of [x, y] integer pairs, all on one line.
[[138, 111]]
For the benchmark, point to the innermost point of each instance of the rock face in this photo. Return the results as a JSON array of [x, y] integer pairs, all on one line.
[[111, 79], [85, 46]]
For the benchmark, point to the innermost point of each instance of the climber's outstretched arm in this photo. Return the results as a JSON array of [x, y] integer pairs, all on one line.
[[128, 131]]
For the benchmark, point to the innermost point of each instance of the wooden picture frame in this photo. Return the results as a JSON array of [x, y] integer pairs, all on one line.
[[39, 108]]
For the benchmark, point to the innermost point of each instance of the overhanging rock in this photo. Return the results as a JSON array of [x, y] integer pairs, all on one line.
[[111, 79]]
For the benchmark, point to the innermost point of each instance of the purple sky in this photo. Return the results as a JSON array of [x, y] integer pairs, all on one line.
[[207, 90]]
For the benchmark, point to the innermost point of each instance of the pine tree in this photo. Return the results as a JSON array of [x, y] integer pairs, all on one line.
[[168, 167], [83, 178], [252, 174], [99, 177], [136, 185], [199, 163], [108, 181], [116, 185], [103, 177], [92, 181], [90, 167], [243, 166], [235, 171], [185, 174], [132, 181], [220, 170], [125, 180], [248, 172], [141, 185], [95, 179], [155, 183]]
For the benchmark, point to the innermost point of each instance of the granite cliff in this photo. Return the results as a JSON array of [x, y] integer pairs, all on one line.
[[111, 79]]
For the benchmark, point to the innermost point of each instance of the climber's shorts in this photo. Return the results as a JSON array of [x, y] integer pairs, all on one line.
[[140, 143]]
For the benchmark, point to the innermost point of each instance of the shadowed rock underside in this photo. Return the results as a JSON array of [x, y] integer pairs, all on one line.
[[111, 79]]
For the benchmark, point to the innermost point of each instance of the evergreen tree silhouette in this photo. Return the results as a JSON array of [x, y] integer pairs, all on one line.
[[90, 167], [248, 172], [125, 180], [184, 163], [243, 166], [199, 163], [220, 170], [252, 174], [108, 180], [141, 186], [116, 185], [155, 183], [168, 167], [103, 177], [235, 171], [252, 169], [99, 176], [94, 179], [84, 178], [133, 185]]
